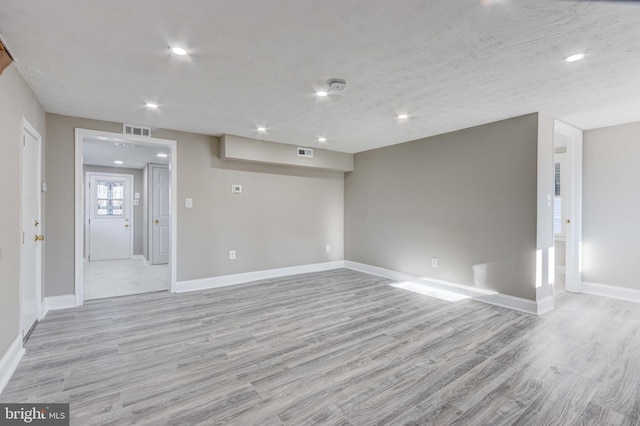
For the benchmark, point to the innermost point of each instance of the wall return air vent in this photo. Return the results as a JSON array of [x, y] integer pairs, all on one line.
[[305, 152], [130, 129]]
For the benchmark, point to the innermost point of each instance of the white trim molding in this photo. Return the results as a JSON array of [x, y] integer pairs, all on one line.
[[227, 280], [10, 361], [622, 293], [485, 296], [59, 302], [545, 305]]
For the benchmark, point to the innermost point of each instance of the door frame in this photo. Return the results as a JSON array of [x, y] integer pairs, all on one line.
[[573, 230], [150, 208], [171, 146], [131, 180], [25, 128]]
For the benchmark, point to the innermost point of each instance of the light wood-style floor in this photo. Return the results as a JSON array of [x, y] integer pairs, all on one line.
[[334, 348]]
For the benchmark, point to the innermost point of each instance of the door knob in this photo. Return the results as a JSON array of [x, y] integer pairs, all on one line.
[[156, 221], [568, 221], [127, 225], [38, 238]]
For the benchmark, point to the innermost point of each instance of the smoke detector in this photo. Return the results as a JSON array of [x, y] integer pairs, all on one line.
[[337, 84]]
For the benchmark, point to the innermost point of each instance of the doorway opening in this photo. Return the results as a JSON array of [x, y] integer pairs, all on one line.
[[114, 204], [567, 207]]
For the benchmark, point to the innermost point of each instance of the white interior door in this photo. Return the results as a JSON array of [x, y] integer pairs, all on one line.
[[109, 211], [31, 238], [160, 214], [572, 139]]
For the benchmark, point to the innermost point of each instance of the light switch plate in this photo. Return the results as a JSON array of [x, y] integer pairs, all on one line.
[[136, 202], [136, 195], [188, 202], [236, 189]]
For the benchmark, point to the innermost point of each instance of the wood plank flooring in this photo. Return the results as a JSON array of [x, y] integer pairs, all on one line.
[[334, 348]]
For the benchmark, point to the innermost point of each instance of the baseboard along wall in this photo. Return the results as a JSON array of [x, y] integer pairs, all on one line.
[[614, 292], [10, 361]]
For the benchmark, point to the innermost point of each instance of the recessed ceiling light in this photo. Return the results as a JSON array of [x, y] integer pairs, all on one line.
[[322, 139], [162, 155], [322, 93], [180, 51], [261, 129], [403, 116], [118, 162], [575, 57], [151, 105]]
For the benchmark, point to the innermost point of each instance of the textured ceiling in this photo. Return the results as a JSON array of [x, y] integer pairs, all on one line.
[[449, 64]]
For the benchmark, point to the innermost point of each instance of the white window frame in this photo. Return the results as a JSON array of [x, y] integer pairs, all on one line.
[[562, 159]]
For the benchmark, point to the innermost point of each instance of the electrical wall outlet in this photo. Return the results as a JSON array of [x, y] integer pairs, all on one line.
[[434, 262], [232, 255], [188, 203], [327, 248]]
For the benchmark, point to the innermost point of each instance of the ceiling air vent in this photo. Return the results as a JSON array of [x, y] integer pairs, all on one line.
[[305, 152], [130, 129]]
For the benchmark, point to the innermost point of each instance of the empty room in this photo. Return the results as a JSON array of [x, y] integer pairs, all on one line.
[[286, 212]]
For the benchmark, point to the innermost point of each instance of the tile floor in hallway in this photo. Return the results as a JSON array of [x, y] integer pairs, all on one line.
[[110, 278]]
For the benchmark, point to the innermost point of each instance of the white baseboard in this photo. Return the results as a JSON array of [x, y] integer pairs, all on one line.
[[227, 280], [140, 257], [545, 305], [59, 302], [9, 362], [481, 295], [622, 293], [486, 296]]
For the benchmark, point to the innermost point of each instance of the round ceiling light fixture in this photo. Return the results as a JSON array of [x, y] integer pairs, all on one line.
[[575, 57], [180, 51]]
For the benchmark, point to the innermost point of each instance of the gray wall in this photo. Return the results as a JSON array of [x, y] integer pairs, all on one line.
[[137, 210], [16, 101], [611, 205], [284, 217], [467, 198]]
